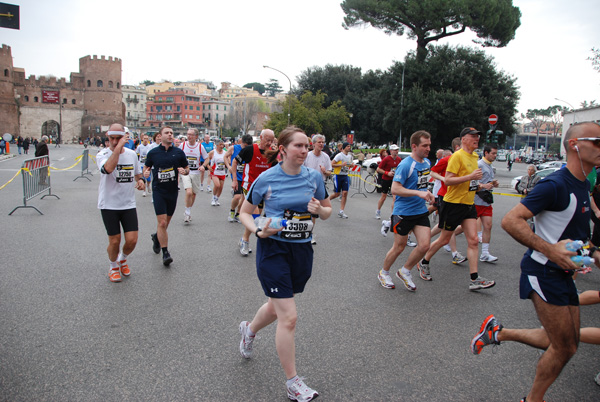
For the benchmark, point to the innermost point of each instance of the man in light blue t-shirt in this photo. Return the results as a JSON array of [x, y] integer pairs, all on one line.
[[410, 212]]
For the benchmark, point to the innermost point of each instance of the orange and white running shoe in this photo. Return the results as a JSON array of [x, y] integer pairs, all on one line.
[[114, 275], [124, 268]]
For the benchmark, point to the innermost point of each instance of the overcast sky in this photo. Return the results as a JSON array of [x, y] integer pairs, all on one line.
[[231, 40]]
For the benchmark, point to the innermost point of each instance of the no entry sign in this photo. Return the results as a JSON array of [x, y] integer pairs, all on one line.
[[493, 119]]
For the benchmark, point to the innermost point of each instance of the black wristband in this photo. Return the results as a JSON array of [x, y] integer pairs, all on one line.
[[256, 232]]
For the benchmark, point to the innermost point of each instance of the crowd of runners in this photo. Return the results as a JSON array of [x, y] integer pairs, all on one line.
[[280, 178]]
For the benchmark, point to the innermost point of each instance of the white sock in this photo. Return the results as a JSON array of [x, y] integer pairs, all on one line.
[[454, 253], [485, 248], [114, 265], [384, 272], [122, 256], [405, 271], [479, 234]]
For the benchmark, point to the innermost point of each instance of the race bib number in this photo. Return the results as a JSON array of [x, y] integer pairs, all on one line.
[[473, 185], [192, 162], [344, 170], [299, 225], [240, 167], [167, 174], [423, 179], [124, 173], [143, 159], [220, 169]]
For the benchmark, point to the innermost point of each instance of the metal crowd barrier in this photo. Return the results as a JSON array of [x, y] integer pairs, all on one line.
[[356, 180], [85, 159], [36, 180]]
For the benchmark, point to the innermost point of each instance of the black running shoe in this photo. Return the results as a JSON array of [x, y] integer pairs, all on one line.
[[167, 259], [155, 243]]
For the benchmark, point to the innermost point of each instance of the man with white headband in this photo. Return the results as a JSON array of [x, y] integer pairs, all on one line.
[[121, 174]]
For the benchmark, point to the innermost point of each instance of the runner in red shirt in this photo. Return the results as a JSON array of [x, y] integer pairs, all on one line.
[[386, 170]]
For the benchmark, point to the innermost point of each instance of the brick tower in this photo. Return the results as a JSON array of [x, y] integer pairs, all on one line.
[[9, 110], [102, 91]]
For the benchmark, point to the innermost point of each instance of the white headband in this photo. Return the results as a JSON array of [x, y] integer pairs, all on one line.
[[115, 133]]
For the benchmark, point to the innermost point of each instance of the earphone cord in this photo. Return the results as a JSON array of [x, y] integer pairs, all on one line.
[[581, 163]]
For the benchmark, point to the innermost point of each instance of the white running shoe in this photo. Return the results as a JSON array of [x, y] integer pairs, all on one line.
[[410, 243], [447, 248], [386, 280], [217, 203], [246, 342], [144, 194], [186, 218], [299, 391], [244, 247], [213, 202], [208, 190], [385, 227], [488, 258], [342, 215], [377, 214], [407, 280]]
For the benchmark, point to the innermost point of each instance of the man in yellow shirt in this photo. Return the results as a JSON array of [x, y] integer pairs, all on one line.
[[457, 207]]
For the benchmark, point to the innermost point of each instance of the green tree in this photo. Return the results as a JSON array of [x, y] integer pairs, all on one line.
[[356, 91], [147, 82], [257, 86], [455, 87], [493, 21], [272, 87], [595, 59], [308, 113]]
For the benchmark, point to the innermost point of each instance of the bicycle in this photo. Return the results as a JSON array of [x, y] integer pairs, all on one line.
[[370, 183]]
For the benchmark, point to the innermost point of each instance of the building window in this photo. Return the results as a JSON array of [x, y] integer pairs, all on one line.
[[225, 108], [64, 101], [208, 107], [203, 107], [99, 84], [26, 98], [197, 107], [217, 107], [89, 83], [36, 99], [179, 108], [73, 101], [118, 85], [197, 117], [110, 84]]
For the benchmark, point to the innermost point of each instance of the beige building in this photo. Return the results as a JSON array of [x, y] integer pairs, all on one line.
[[134, 99]]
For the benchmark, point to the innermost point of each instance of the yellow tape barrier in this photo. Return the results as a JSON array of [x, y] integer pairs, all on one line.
[[360, 177], [78, 159], [510, 195], [16, 174]]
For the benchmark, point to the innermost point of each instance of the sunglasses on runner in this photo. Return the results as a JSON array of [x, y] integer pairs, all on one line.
[[595, 140]]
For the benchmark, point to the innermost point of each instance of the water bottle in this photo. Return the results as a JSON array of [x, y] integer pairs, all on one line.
[[276, 223], [582, 260], [575, 245]]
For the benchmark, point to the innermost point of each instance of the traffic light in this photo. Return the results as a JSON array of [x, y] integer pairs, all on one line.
[[494, 137]]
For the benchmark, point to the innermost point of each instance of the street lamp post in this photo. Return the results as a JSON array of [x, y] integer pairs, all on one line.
[[289, 93], [401, 105]]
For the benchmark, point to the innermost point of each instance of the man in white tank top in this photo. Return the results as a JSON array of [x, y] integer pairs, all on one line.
[[191, 183]]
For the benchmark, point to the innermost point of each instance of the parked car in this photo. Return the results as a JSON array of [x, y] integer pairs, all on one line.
[[541, 173], [501, 155], [374, 161], [553, 164]]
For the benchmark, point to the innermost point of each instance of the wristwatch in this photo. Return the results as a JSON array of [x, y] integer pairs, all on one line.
[[256, 232]]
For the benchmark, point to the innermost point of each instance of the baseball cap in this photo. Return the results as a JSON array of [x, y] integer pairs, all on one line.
[[394, 146], [469, 130]]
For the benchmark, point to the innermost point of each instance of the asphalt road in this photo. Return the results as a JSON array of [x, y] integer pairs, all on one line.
[[68, 334]]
